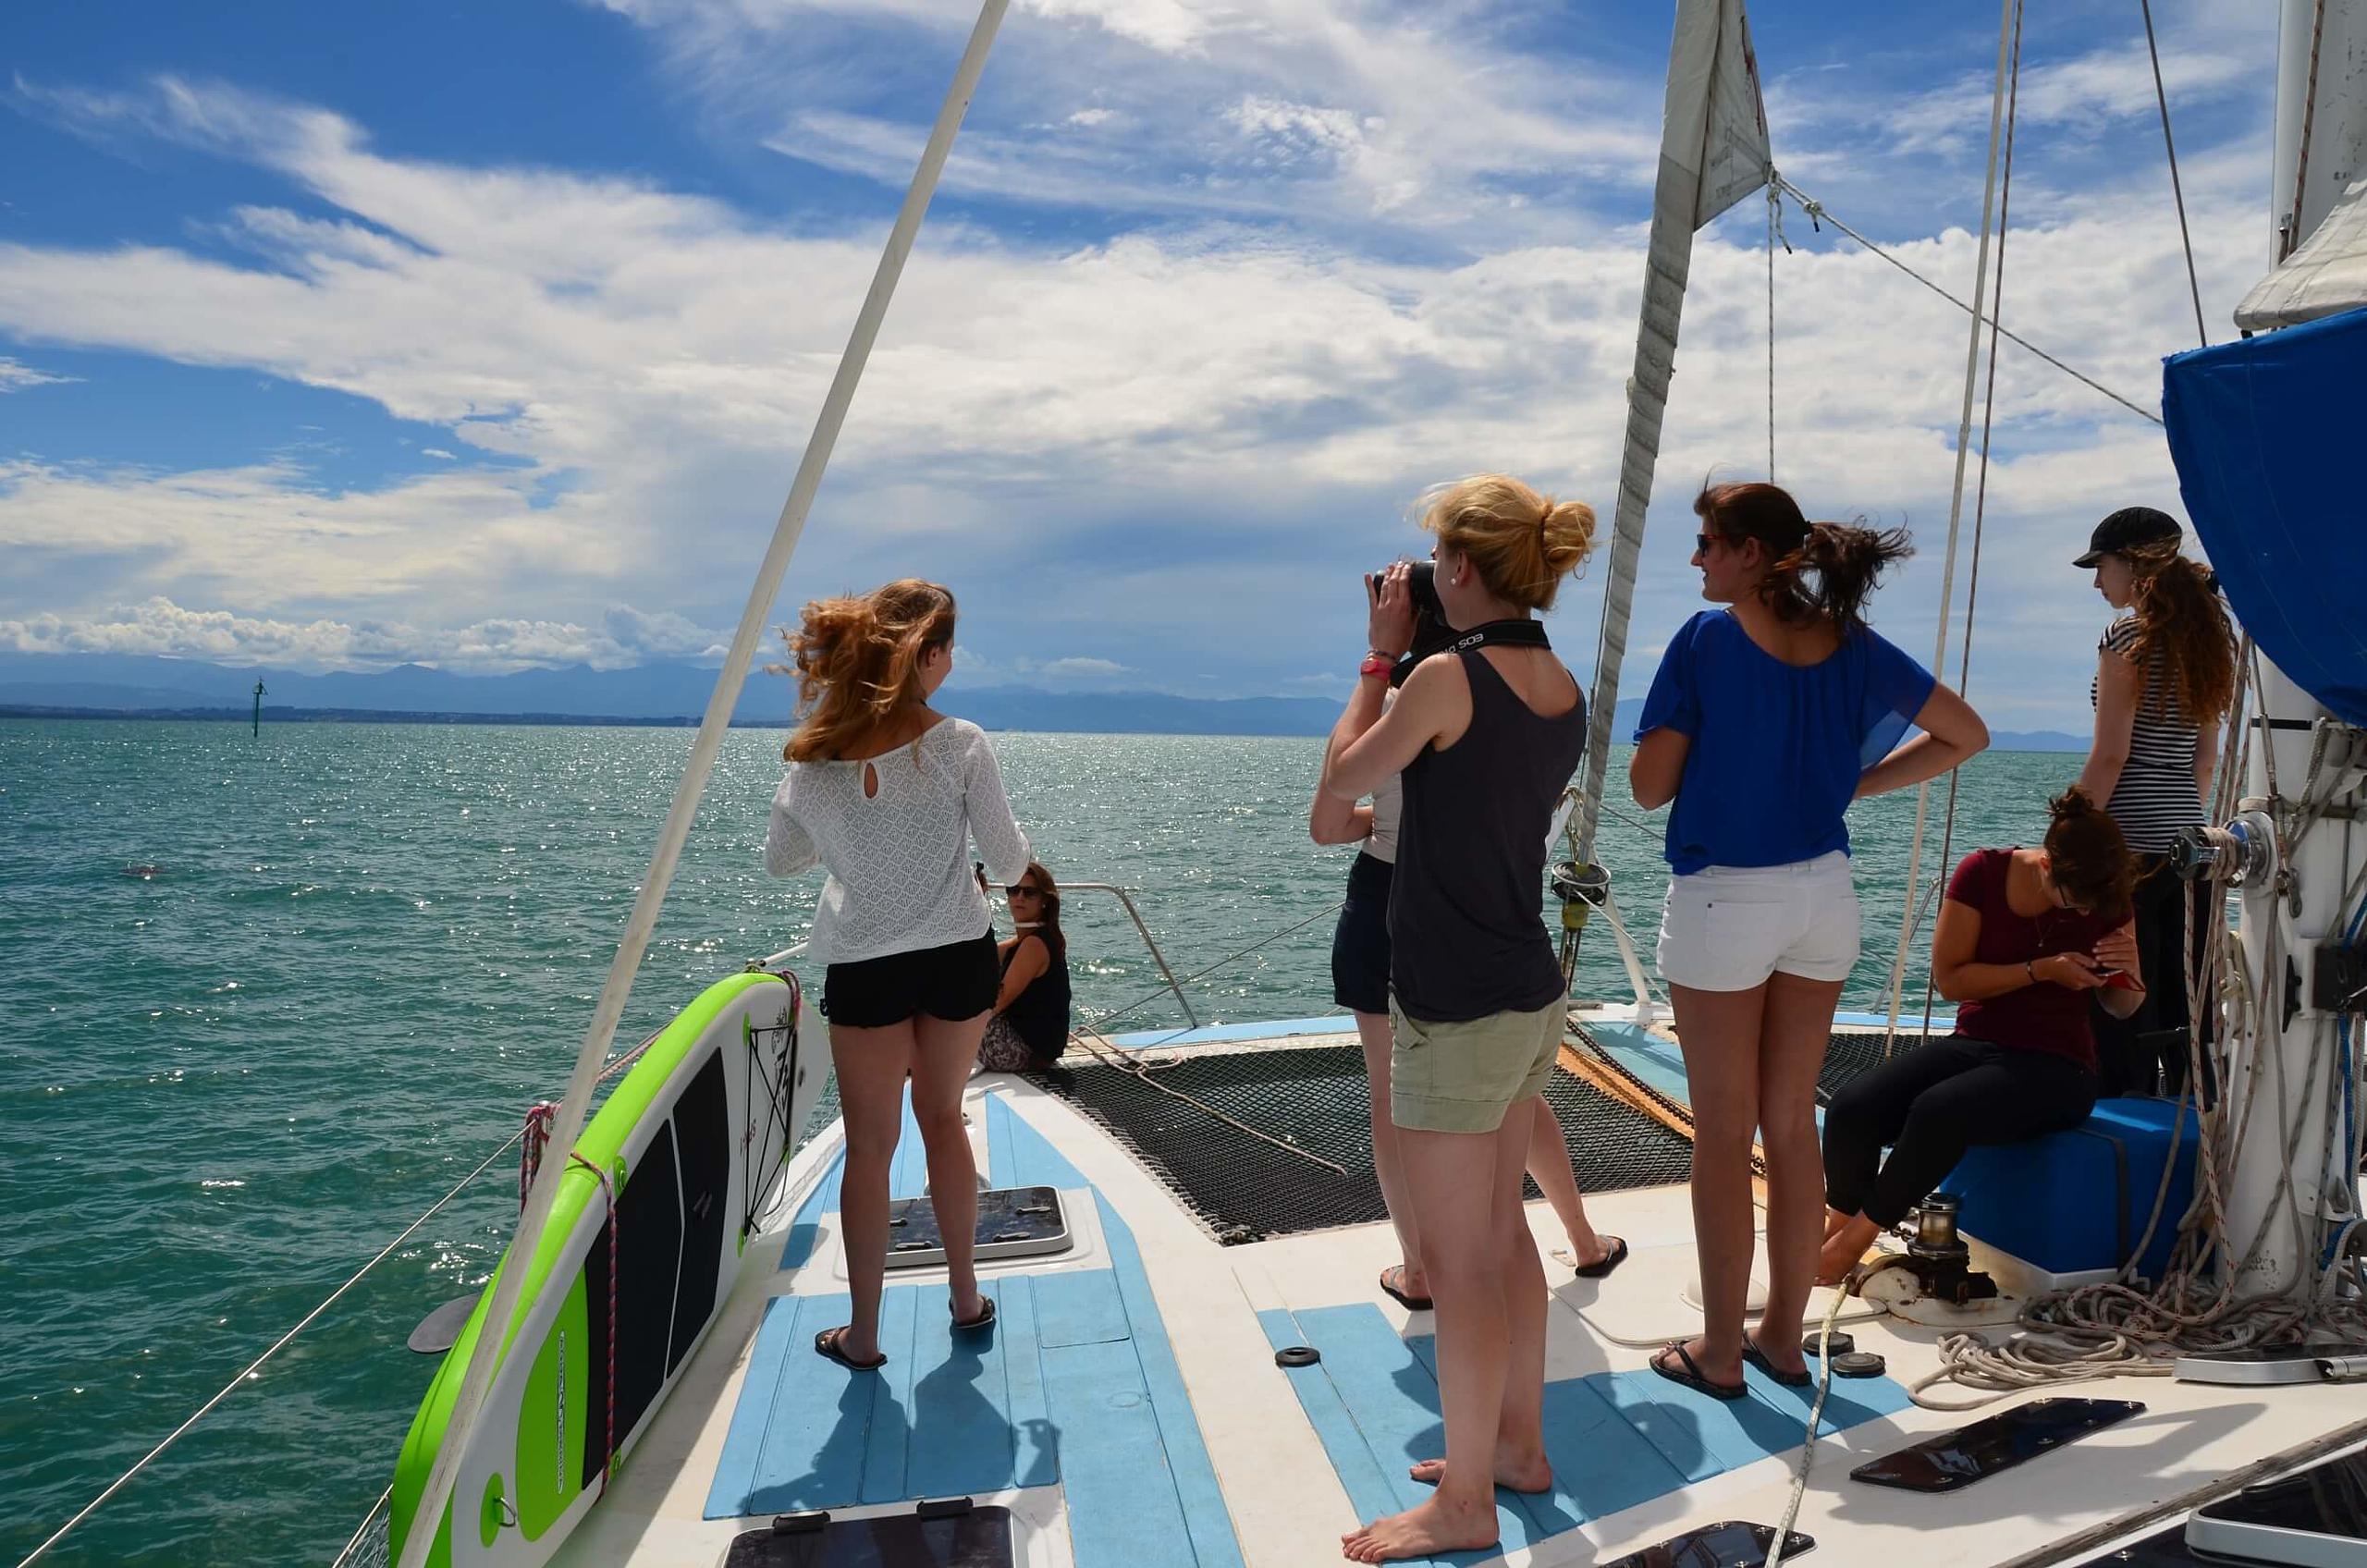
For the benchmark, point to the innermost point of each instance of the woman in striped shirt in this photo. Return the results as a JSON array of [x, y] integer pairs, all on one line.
[[2166, 675]]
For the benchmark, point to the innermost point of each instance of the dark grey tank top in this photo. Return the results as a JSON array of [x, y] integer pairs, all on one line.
[[1467, 935]]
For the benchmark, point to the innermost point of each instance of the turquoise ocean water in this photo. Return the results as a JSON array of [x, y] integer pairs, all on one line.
[[366, 949]]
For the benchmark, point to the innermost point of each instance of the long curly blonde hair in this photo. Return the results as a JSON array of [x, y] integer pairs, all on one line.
[[857, 658]]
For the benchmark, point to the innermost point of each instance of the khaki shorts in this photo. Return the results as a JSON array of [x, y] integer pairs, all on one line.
[[1462, 1077]]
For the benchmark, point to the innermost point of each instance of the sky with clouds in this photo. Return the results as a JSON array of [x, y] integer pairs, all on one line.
[[340, 336]]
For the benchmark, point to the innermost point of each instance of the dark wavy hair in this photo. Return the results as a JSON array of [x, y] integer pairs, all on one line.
[[1816, 570], [2179, 615], [2086, 855]]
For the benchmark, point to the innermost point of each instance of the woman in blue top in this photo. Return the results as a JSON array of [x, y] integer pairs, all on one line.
[[1765, 721]]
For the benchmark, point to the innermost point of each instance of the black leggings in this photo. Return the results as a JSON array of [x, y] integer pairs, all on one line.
[[2146, 1052], [1932, 1102]]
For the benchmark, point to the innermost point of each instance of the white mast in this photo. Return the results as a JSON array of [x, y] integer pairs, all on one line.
[[2293, 1166]]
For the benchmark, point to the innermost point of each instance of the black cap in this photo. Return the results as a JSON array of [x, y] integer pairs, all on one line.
[[2129, 528]]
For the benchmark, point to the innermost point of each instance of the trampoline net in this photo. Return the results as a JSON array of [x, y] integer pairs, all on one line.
[[1314, 1098]]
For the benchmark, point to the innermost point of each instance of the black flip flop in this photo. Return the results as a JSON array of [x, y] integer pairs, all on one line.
[[1758, 1357], [1692, 1378], [1411, 1304], [985, 1320], [1607, 1262], [826, 1345]]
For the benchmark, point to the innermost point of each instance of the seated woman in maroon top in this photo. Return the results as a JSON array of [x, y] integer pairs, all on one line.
[[2025, 937]]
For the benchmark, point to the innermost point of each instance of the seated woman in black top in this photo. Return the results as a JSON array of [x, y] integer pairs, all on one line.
[[1030, 1027], [2025, 939]]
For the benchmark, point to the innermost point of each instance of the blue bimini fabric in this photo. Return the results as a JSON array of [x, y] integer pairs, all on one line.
[[2266, 431]]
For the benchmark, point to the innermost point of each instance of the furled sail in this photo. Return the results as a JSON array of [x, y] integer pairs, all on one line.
[[1714, 153], [2326, 276]]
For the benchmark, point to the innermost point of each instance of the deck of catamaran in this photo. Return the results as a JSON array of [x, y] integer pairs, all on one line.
[[1146, 1398]]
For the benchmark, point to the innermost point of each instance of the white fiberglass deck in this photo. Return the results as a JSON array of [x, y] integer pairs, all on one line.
[[1130, 1410]]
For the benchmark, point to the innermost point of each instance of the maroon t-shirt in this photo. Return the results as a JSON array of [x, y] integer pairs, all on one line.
[[2044, 1017]]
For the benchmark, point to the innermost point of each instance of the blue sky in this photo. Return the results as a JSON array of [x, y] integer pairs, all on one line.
[[339, 335]]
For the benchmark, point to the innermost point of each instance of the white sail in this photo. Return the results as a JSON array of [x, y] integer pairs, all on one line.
[[2327, 275], [1714, 153]]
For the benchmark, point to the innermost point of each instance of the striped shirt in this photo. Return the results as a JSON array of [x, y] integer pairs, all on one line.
[[2157, 795]]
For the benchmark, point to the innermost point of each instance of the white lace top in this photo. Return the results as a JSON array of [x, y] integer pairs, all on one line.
[[899, 862]]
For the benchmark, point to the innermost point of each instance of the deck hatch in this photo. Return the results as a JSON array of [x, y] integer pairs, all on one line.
[[970, 1538]]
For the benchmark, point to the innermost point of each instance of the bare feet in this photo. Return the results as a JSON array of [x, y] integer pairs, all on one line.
[[1593, 1249], [1725, 1371], [1845, 1249], [1425, 1530], [1793, 1363], [1515, 1472]]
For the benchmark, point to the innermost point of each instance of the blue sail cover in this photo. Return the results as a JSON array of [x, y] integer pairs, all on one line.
[[2266, 433]]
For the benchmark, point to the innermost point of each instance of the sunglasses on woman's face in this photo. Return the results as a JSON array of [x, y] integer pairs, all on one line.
[[1029, 888], [1701, 543]]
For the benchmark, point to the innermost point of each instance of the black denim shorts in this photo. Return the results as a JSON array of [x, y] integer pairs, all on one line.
[[1360, 942], [957, 981]]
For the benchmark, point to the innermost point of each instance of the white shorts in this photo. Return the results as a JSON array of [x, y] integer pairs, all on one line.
[[1727, 927]]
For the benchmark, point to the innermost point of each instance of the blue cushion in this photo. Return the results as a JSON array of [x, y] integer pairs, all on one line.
[[2075, 1201]]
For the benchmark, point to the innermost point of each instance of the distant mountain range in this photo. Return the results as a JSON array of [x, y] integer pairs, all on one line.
[[126, 685]]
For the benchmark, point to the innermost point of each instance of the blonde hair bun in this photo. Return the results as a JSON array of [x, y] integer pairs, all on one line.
[[1522, 542]]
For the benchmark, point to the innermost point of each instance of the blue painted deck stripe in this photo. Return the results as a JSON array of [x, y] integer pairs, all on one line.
[[1392, 1395], [1615, 1439], [1114, 1465], [810, 1431], [1082, 1307], [1034, 1162], [1212, 1033], [798, 1250], [743, 1440], [1942, 1020], [1214, 1545], [888, 1441], [1370, 1492], [1601, 1463], [1036, 1447], [961, 1439]]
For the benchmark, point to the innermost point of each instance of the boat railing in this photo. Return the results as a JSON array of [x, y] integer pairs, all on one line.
[[1125, 898]]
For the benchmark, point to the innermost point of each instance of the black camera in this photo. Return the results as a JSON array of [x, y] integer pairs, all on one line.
[[1431, 631]]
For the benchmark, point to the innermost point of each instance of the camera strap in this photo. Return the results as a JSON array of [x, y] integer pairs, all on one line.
[[1522, 633]]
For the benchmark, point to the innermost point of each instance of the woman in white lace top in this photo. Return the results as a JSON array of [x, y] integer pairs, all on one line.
[[888, 795]]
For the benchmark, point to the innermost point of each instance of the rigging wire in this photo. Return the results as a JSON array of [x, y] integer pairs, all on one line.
[[1981, 491], [2177, 194], [2008, 59], [1818, 214], [277, 1346]]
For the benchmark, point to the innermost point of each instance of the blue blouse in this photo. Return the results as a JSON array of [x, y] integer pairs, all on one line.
[[1777, 748]]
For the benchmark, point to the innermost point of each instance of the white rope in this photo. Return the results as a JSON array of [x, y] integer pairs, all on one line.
[[568, 1123], [256, 1365], [1956, 499]]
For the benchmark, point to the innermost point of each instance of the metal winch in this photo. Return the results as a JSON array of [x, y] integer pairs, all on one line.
[[1939, 1259]]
